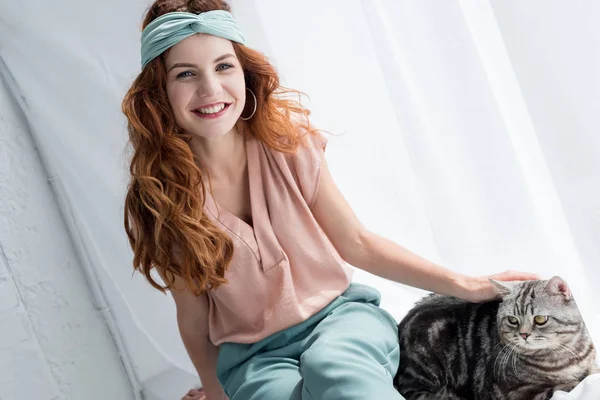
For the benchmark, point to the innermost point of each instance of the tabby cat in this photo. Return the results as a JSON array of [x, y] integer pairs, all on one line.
[[525, 346]]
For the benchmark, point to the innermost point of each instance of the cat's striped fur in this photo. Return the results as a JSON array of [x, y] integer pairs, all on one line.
[[451, 349]]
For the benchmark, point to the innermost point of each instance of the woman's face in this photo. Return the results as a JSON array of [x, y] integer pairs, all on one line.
[[205, 85]]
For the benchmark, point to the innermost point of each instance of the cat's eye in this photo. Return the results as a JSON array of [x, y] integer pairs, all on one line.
[[540, 319], [512, 320]]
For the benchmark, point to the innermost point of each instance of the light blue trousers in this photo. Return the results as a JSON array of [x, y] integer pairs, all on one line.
[[347, 351]]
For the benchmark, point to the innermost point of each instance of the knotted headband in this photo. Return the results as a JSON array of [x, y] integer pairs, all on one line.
[[171, 28]]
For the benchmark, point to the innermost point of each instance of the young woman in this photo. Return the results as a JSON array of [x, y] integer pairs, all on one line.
[[231, 201]]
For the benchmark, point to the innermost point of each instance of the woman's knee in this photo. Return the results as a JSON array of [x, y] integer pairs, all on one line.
[[347, 374], [264, 378], [327, 359]]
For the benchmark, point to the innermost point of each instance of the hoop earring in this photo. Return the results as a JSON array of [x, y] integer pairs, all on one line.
[[255, 104]]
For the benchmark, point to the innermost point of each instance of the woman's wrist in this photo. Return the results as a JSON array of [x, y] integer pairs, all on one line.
[[462, 286], [216, 393]]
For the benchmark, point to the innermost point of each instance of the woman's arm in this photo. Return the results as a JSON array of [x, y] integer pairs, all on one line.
[[383, 257], [202, 353], [389, 260], [192, 320]]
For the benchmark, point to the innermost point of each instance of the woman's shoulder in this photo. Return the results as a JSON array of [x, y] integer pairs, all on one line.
[[301, 166], [311, 139]]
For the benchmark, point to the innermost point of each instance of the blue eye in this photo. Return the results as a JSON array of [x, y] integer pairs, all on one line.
[[181, 74], [224, 65]]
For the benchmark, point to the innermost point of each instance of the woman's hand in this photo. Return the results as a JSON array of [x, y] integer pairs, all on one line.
[[479, 289], [200, 394], [195, 394]]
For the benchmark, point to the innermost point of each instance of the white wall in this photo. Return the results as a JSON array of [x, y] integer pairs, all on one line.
[[54, 344]]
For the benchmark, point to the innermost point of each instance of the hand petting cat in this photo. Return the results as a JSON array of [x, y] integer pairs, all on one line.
[[478, 288]]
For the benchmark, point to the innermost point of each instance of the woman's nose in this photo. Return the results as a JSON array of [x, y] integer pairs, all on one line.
[[209, 87]]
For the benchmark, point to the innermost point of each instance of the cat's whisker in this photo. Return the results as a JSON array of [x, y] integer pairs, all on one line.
[[505, 360], [501, 361], [496, 345], [563, 346], [497, 358], [515, 358]]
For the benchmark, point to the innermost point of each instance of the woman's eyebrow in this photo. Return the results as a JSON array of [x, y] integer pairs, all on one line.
[[189, 65], [224, 56], [182, 65]]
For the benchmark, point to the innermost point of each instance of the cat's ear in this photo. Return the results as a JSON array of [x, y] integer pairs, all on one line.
[[557, 286], [502, 288]]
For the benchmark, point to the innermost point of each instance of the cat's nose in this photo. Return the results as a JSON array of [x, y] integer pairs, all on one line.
[[525, 335]]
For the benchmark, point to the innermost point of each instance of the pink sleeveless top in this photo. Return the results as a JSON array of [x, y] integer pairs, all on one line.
[[284, 269]]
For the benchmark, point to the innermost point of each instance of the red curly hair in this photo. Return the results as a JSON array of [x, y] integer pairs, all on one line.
[[163, 215]]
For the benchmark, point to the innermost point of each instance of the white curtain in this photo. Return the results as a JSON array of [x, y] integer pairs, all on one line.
[[469, 135]]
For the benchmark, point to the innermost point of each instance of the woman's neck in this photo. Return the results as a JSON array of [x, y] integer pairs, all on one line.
[[223, 158]]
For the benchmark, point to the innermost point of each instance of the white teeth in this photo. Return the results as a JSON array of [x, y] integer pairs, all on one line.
[[212, 110]]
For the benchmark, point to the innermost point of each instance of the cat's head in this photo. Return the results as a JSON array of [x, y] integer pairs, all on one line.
[[536, 315]]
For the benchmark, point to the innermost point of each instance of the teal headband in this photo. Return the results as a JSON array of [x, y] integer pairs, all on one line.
[[171, 28]]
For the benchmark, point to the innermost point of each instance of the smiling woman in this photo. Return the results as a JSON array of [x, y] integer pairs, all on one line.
[[190, 125]]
